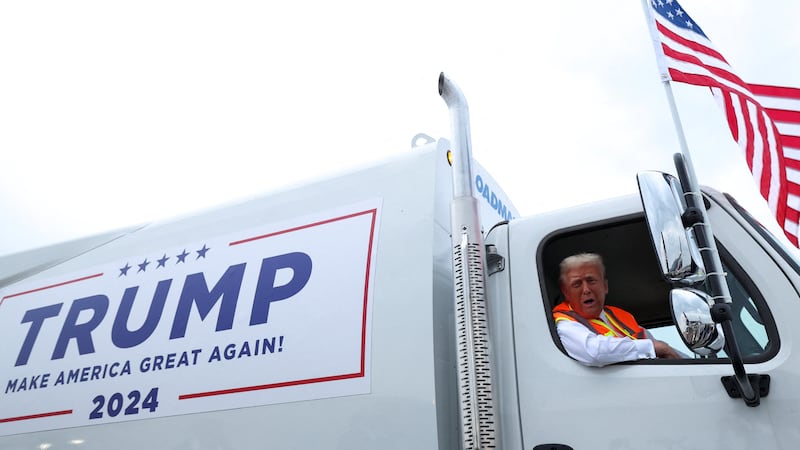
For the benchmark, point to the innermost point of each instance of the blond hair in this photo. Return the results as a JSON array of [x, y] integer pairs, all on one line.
[[578, 260]]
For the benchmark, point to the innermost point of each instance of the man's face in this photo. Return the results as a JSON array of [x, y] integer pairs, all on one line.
[[585, 290]]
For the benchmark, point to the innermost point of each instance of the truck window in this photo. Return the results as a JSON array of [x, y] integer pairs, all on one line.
[[636, 285]]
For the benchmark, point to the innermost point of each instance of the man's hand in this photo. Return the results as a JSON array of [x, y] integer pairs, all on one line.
[[663, 350]]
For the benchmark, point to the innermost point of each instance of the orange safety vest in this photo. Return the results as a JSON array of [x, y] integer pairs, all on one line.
[[622, 323]]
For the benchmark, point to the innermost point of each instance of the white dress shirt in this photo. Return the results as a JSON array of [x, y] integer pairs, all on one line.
[[597, 350]]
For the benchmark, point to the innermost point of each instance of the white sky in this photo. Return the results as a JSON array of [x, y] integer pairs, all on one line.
[[118, 113]]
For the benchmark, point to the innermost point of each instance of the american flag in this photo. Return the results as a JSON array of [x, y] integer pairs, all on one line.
[[764, 120]]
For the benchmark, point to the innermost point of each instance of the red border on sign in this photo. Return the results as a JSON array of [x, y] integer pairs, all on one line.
[[31, 291], [359, 374], [36, 416]]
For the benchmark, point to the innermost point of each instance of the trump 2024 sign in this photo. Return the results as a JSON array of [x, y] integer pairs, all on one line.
[[275, 314]]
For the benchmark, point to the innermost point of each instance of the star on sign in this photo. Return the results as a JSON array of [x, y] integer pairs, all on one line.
[[202, 252]]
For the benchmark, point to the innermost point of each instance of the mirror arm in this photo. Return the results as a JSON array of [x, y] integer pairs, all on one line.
[[721, 314], [691, 216], [721, 310]]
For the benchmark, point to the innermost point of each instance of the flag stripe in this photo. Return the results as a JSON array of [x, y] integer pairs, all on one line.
[[791, 164], [781, 115], [694, 45], [792, 142], [708, 74], [775, 91]]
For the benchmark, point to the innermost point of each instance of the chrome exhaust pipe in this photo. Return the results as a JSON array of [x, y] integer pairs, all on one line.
[[478, 417], [461, 140]]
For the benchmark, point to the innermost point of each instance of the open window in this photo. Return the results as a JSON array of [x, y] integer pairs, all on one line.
[[636, 285]]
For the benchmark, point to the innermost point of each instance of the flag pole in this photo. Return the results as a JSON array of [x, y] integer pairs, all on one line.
[[673, 109]]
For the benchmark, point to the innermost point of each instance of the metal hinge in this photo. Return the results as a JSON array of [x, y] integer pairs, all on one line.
[[494, 261]]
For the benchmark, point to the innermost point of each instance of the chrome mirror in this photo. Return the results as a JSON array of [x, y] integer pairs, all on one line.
[[691, 312], [662, 199]]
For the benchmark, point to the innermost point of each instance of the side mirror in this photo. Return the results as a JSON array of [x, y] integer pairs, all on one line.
[[662, 199], [691, 312]]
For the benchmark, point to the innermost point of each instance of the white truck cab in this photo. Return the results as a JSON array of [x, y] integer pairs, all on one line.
[[648, 403]]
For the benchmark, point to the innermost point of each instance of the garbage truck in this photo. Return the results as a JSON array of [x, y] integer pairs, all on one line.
[[402, 305]]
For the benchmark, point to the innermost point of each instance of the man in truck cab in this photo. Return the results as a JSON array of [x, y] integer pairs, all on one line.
[[592, 332]]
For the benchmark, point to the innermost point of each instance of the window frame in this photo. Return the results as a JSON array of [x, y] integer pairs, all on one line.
[[733, 267]]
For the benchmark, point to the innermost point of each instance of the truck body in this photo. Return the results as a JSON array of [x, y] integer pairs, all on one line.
[[381, 264], [328, 316]]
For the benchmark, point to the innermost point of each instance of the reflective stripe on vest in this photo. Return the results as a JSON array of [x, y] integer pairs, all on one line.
[[617, 327]]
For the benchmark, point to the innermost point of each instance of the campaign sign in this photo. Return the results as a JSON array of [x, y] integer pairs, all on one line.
[[275, 314]]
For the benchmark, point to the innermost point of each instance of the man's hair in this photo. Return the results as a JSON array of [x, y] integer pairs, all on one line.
[[578, 260]]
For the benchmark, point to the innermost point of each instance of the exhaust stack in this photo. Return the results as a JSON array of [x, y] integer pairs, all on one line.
[[475, 387]]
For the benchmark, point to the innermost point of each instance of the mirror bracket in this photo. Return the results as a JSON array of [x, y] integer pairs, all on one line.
[[691, 216], [761, 382], [721, 312]]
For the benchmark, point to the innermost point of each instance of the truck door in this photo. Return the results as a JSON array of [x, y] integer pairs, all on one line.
[[650, 403]]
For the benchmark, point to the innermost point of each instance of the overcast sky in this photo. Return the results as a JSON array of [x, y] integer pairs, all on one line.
[[119, 113]]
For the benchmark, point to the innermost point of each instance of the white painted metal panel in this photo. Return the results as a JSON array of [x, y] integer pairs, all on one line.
[[395, 409]]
